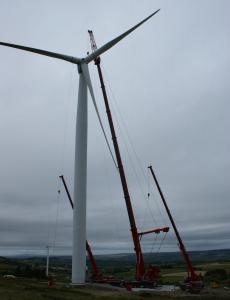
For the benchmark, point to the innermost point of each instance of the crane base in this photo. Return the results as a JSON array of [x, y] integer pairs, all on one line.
[[193, 287]]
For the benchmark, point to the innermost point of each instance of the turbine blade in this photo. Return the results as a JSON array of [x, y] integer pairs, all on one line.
[[113, 42], [71, 59], [85, 71]]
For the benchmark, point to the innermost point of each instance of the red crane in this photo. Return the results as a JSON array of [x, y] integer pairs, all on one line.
[[141, 275], [96, 273], [156, 230], [193, 281]]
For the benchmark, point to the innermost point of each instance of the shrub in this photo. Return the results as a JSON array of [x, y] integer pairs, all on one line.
[[216, 275], [30, 272]]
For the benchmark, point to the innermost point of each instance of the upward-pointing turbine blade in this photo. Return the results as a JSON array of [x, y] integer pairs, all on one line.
[[68, 58], [110, 44]]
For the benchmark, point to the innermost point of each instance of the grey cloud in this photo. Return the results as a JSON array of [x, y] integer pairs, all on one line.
[[170, 82]]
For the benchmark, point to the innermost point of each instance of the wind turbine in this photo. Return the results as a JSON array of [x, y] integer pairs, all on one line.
[[80, 168]]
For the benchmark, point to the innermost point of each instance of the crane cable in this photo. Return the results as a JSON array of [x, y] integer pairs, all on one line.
[[161, 243], [94, 47], [156, 201], [57, 216], [109, 195], [146, 177], [103, 130], [126, 138], [154, 242]]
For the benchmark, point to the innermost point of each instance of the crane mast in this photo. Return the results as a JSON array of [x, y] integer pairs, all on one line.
[[140, 268], [193, 277]]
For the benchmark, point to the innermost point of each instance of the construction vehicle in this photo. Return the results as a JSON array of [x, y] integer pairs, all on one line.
[[193, 282], [150, 277]]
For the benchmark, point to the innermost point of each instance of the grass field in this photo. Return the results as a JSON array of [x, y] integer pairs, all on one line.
[[33, 289], [176, 273], [25, 289]]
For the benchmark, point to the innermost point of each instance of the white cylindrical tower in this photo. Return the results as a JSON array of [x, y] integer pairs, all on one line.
[[80, 181]]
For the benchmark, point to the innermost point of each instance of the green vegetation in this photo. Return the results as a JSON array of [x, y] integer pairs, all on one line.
[[27, 289], [29, 272], [30, 282]]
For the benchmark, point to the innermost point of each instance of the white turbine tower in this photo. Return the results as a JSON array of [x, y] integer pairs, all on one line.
[[80, 169]]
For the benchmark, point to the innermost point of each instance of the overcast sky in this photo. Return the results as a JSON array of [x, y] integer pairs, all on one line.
[[168, 85]]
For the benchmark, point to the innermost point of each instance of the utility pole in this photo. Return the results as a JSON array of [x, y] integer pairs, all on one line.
[[47, 260]]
